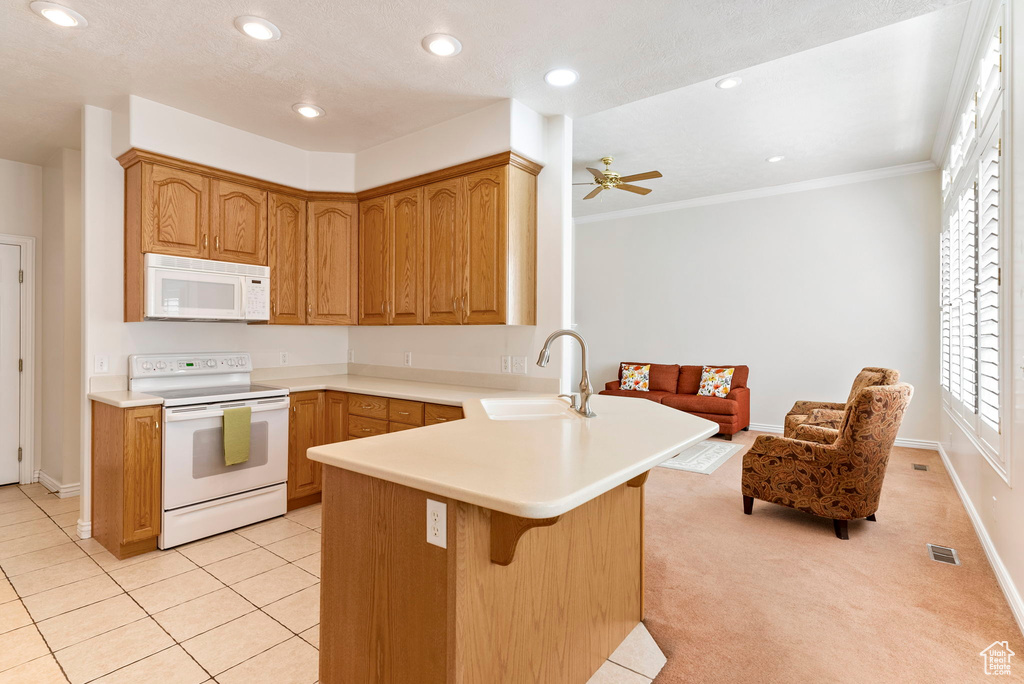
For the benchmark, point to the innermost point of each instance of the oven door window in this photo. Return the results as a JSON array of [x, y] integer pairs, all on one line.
[[208, 451]]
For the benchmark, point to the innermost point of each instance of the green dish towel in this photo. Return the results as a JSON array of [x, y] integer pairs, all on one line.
[[236, 435]]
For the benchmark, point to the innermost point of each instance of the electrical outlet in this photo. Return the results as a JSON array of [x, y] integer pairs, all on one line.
[[101, 363], [284, 358], [437, 523], [506, 364], [519, 365], [408, 358], [351, 355]]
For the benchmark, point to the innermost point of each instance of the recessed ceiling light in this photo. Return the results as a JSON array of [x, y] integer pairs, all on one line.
[[442, 44], [729, 82], [776, 158], [58, 14], [258, 28], [307, 110], [561, 77]]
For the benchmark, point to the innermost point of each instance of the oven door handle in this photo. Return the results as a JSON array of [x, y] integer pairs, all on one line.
[[171, 417]]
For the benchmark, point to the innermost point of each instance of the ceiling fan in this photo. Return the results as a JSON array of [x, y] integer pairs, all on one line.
[[608, 179]]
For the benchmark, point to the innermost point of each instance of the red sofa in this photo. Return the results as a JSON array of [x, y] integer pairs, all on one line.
[[677, 386]]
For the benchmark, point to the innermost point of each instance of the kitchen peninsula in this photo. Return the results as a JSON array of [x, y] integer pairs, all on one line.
[[506, 547]]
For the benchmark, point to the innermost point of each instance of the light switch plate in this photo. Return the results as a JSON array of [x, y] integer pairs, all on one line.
[[437, 523], [519, 365]]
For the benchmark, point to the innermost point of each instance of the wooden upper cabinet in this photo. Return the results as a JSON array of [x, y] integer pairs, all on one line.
[[306, 429], [406, 223], [287, 255], [442, 264], [332, 268], [238, 223], [175, 211], [374, 261], [486, 247]]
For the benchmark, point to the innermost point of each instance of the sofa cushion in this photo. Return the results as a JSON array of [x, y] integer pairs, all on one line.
[[689, 377], [693, 403], [652, 395], [633, 376], [663, 378]]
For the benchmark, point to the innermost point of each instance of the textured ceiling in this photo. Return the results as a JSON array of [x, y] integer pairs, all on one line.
[[866, 102], [363, 62]]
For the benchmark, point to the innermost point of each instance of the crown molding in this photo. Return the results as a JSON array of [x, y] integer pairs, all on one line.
[[800, 186]]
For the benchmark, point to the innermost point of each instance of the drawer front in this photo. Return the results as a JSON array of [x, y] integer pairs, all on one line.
[[408, 412], [439, 413], [368, 406], [358, 426], [398, 427]]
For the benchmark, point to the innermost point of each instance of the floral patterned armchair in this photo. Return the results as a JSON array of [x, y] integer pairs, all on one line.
[[836, 474], [830, 413]]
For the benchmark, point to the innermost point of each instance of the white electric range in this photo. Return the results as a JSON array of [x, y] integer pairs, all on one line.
[[202, 496]]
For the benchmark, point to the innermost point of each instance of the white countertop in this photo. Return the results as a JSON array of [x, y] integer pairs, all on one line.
[[434, 393], [530, 468], [125, 398]]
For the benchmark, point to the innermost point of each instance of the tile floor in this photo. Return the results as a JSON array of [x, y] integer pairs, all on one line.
[[239, 608]]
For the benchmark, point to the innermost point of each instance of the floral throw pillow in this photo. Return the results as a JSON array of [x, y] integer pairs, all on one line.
[[715, 382], [636, 377]]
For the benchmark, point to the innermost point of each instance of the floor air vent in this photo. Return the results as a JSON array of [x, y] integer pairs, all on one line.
[[920, 466], [943, 554]]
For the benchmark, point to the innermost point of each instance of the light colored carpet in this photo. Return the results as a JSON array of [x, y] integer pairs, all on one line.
[[775, 597], [704, 458]]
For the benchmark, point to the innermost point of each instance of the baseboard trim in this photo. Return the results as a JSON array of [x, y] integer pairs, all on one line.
[[900, 442], [1013, 596], [61, 490], [84, 529]]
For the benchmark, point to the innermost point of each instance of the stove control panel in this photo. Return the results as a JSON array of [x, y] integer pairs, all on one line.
[[163, 365]]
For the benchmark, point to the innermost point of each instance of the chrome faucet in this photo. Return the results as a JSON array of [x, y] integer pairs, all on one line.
[[585, 389]]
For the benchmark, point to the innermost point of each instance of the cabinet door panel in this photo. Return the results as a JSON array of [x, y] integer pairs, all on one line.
[[441, 261], [175, 209], [141, 474], [332, 267], [485, 226], [305, 430], [406, 235], [238, 223], [336, 409], [287, 233], [374, 261]]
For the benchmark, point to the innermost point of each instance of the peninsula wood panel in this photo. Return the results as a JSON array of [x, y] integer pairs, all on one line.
[[175, 212], [305, 430], [442, 266], [374, 261], [238, 223], [287, 256], [405, 277], [332, 267], [485, 250]]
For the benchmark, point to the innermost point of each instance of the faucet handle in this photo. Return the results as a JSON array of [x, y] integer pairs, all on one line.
[[571, 398]]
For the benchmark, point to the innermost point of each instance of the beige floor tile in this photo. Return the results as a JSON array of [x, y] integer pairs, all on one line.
[[35, 491], [44, 558], [53, 506], [72, 532], [274, 585], [43, 670], [21, 515], [85, 623], [176, 590], [203, 614], [271, 531], [299, 546], [310, 516], [71, 596], [55, 576], [310, 564], [22, 504], [11, 493], [218, 548], [13, 616], [639, 653], [66, 519], [170, 666], [312, 635], [20, 646], [100, 655], [297, 612], [235, 642], [244, 566], [33, 542], [110, 562], [610, 673], [90, 546], [26, 529], [292, 662], [160, 568], [7, 592]]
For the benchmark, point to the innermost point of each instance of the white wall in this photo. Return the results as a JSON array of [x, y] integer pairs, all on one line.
[[805, 288], [21, 213]]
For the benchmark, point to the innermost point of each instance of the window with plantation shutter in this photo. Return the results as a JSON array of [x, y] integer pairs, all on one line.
[[970, 362]]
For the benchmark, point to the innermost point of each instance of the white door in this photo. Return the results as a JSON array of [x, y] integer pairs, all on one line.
[[10, 353]]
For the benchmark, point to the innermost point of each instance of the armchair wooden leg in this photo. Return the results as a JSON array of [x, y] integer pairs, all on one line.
[[748, 504], [871, 518], [842, 528], [746, 429]]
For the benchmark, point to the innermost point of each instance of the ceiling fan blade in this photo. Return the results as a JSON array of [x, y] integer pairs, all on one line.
[[641, 176], [584, 183], [594, 192], [597, 174], [633, 188]]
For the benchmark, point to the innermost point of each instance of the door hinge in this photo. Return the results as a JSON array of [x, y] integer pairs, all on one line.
[[21, 366], [21, 276], [19, 454]]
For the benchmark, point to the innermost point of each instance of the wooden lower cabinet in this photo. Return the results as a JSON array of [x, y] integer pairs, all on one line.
[[305, 430], [126, 467]]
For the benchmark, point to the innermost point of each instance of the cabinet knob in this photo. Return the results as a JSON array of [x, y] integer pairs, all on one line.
[[403, 413], [158, 425], [367, 430], [441, 420], [206, 241], [216, 243]]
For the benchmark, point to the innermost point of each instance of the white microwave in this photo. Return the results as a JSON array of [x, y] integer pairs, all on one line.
[[179, 288]]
